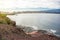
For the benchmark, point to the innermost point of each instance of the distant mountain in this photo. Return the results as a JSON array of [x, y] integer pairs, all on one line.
[[53, 11], [48, 10], [33, 10]]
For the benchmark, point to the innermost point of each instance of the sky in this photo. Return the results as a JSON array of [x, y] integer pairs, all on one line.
[[11, 4]]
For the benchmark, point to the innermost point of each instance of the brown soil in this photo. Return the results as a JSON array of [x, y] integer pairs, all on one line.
[[8, 32]]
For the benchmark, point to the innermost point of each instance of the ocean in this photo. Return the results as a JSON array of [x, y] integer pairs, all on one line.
[[38, 21]]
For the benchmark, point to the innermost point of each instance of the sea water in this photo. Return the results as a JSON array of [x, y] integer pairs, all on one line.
[[38, 21]]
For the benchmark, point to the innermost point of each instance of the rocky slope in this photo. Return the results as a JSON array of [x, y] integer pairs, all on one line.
[[8, 32]]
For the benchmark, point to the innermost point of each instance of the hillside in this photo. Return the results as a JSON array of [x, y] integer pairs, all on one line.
[[9, 31]]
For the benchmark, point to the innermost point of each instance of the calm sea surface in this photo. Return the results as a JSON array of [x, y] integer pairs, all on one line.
[[38, 21]]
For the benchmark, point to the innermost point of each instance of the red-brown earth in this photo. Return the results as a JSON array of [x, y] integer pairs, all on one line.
[[9, 32]]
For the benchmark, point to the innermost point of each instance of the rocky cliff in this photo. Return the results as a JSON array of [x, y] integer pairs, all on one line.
[[9, 31]]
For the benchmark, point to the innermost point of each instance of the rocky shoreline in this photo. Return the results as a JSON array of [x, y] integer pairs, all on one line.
[[9, 31]]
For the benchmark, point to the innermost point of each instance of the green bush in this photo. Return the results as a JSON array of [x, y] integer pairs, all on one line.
[[4, 19]]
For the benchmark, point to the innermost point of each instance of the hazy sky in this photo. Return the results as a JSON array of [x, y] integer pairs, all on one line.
[[6, 4]]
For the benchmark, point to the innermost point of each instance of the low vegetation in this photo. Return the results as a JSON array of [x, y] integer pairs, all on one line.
[[5, 20]]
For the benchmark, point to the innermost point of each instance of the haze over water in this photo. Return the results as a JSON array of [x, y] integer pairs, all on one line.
[[38, 21]]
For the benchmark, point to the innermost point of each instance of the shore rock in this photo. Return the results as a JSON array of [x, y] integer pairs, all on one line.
[[8, 32]]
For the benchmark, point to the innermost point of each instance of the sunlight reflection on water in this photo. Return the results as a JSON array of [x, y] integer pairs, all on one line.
[[38, 21]]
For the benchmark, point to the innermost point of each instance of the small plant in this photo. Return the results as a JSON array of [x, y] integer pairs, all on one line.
[[4, 19]]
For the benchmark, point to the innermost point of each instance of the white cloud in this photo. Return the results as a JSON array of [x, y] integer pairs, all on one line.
[[4, 4], [37, 3]]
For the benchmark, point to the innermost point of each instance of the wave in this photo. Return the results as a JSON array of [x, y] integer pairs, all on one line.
[[28, 29]]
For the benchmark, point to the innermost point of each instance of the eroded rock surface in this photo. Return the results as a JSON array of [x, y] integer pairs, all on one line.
[[8, 32]]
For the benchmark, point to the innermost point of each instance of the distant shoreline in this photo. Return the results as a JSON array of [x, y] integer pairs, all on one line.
[[24, 12], [13, 13]]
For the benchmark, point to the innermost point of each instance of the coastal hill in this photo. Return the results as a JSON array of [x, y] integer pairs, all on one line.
[[9, 31]]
